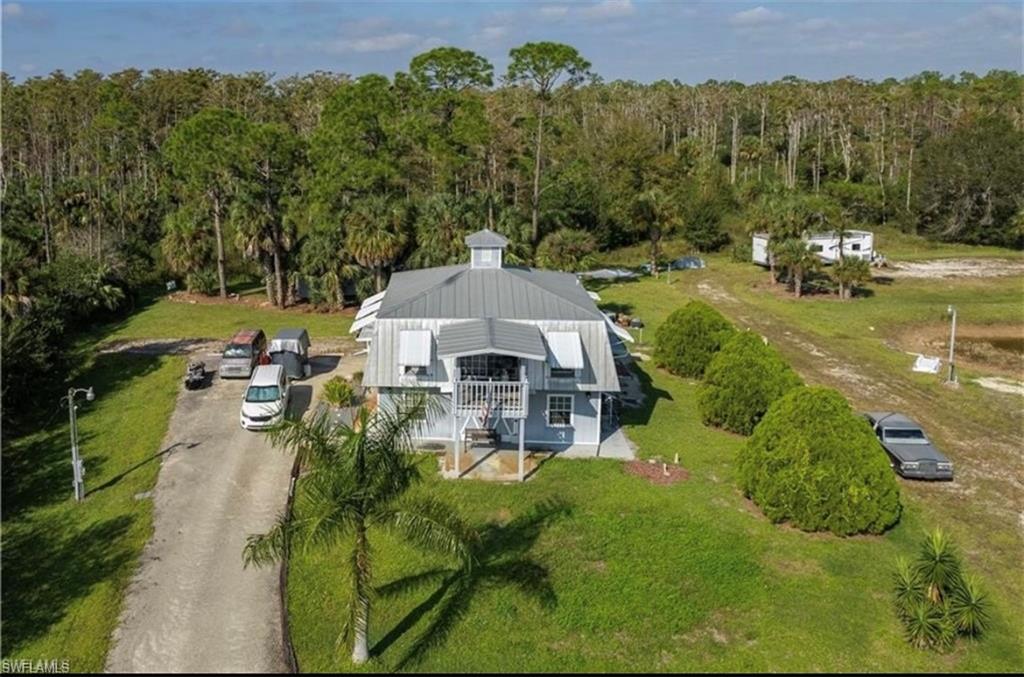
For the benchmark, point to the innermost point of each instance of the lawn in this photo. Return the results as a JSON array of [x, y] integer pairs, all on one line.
[[596, 570], [66, 565], [160, 316]]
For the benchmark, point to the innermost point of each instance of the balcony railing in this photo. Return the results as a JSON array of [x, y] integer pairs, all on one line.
[[486, 399]]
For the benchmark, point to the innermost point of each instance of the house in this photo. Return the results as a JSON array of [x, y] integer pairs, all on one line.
[[856, 244], [520, 355]]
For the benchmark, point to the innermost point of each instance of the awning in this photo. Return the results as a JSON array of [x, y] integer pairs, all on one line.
[[366, 334], [491, 336], [415, 348], [367, 309], [367, 314], [566, 349], [618, 331], [365, 322]]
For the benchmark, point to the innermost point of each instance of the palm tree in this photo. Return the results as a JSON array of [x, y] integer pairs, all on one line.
[[356, 482], [849, 273], [568, 249], [657, 212], [377, 234], [793, 255], [442, 223], [187, 245], [938, 565]]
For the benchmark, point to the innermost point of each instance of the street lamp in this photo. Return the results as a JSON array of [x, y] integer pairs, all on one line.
[[76, 460], [952, 378]]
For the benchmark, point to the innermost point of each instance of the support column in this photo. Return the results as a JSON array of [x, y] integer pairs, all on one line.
[[456, 438], [522, 448]]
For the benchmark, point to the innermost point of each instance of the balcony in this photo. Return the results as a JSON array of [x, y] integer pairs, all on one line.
[[487, 399]]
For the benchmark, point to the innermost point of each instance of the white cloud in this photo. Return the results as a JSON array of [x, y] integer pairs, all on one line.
[[608, 9], [817, 25], [493, 32], [553, 11], [751, 18], [389, 42], [12, 9]]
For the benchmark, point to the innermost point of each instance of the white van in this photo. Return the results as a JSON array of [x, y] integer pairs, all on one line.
[[266, 398]]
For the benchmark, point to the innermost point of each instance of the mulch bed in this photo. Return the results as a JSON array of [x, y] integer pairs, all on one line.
[[655, 473]]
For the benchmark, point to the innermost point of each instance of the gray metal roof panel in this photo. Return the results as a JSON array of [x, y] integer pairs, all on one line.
[[490, 335], [486, 238], [510, 293]]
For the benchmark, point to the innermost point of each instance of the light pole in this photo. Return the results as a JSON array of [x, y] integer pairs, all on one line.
[[952, 378], [76, 461]]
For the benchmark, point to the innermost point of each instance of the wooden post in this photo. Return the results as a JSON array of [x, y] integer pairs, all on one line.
[[524, 394], [456, 438]]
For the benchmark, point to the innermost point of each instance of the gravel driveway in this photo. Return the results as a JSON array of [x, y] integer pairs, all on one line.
[[191, 606]]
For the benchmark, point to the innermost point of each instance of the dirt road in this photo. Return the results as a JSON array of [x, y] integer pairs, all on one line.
[[191, 605]]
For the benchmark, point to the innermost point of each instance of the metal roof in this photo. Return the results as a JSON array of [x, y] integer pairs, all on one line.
[[509, 293], [478, 337], [485, 238]]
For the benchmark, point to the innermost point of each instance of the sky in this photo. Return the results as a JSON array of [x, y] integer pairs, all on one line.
[[623, 39]]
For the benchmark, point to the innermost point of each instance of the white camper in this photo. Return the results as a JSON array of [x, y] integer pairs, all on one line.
[[856, 244]]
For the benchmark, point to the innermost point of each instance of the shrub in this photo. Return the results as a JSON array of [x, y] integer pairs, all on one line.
[[338, 392], [742, 252], [740, 383], [935, 600], [703, 226], [567, 249], [689, 338], [814, 463]]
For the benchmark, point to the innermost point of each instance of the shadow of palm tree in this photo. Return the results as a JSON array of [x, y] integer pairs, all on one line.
[[502, 560]]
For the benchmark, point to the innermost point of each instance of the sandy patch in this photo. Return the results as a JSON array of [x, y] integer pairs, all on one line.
[[715, 293], [1001, 385], [943, 268]]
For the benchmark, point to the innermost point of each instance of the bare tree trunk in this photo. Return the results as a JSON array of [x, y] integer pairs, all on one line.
[[221, 265], [735, 153], [910, 159], [278, 274], [760, 147], [535, 206], [360, 644], [798, 282]]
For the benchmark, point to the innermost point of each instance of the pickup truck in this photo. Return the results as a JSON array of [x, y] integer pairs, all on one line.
[[912, 453]]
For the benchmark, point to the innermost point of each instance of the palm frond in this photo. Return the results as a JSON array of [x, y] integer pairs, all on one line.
[[969, 607], [263, 549]]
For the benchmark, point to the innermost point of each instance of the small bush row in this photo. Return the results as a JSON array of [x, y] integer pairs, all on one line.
[[811, 460]]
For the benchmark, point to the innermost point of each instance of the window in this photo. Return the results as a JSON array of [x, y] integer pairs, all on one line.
[[489, 368], [815, 248], [560, 411], [855, 247], [412, 370], [263, 394], [558, 372]]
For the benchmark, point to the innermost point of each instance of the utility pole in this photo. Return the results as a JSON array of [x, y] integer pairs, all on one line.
[[76, 460], [952, 378]]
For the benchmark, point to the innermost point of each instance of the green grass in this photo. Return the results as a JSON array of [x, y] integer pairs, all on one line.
[[66, 565], [633, 577], [159, 317]]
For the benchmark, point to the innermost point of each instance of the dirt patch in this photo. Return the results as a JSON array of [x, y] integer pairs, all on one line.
[[715, 293], [990, 349], [945, 268], [657, 473], [794, 567], [1001, 385]]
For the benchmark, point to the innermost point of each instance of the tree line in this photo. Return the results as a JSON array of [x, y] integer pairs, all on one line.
[[109, 183]]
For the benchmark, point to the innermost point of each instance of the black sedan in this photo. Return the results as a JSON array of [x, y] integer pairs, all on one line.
[[912, 453]]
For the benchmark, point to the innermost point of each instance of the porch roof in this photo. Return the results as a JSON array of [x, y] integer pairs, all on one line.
[[490, 335]]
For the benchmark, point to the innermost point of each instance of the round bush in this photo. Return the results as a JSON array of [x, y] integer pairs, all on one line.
[[689, 338], [816, 464], [740, 383]]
